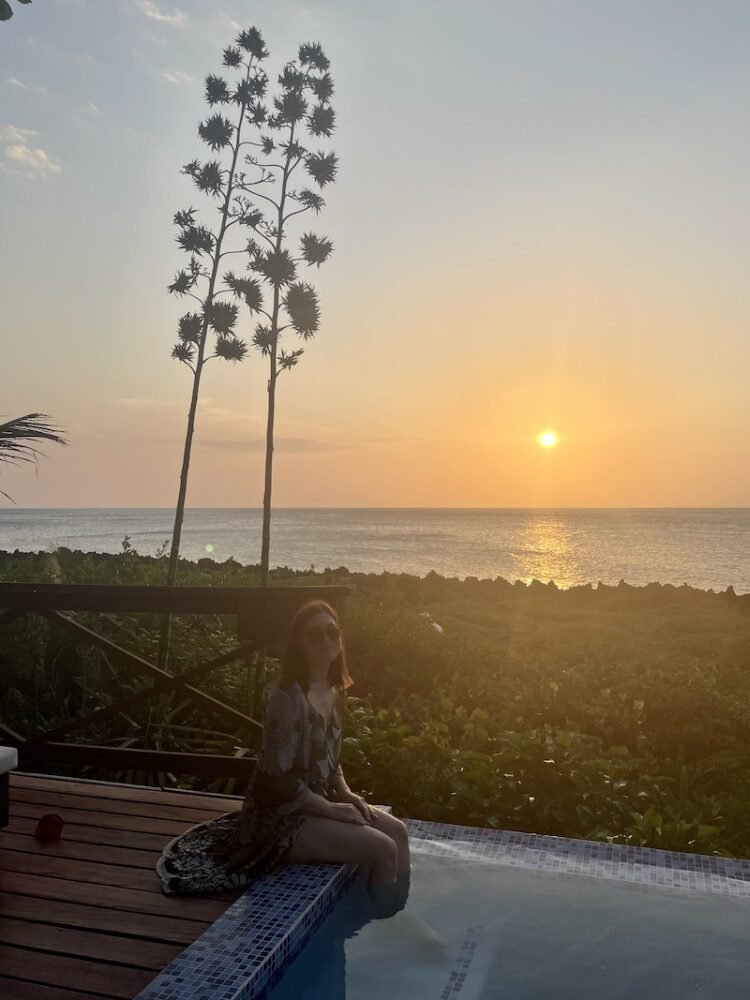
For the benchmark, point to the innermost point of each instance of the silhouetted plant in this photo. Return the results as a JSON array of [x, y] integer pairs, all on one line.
[[6, 11], [16, 436], [302, 105], [199, 280]]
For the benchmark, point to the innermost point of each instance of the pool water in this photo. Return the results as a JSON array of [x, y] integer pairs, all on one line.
[[478, 930]]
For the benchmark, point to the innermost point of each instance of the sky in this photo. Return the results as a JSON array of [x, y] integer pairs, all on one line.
[[540, 223]]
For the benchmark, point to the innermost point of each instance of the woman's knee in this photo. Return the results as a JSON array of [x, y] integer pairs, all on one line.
[[379, 847], [400, 834], [394, 828]]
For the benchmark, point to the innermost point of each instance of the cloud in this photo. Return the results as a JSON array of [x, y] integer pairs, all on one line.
[[157, 14], [288, 444], [35, 161], [11, 133], [141, 403], [299, 445], [225, 413], [15, 82], [175, 76]]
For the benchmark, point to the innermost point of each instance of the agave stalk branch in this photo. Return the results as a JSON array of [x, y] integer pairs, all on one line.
[[174, 552], [273, 375]]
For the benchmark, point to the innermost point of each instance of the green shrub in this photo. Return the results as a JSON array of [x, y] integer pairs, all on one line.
[[612, 713]]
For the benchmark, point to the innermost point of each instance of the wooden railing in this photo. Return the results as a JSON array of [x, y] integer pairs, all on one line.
[[263, 615]]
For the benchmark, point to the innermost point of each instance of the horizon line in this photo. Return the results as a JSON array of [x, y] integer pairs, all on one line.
[[363, 507]]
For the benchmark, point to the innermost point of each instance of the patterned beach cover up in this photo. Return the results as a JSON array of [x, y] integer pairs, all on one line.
[[301, 754]]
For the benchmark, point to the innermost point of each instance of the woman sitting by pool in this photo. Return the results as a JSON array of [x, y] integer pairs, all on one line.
[[298, 808]]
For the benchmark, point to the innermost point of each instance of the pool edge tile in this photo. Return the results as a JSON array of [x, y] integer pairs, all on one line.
[[646, 866], [243, 954]]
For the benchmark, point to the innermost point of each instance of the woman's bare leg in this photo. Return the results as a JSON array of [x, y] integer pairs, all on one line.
[[398, 833], [329, 841]]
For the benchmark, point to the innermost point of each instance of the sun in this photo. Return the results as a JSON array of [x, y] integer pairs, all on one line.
[[547, 439]]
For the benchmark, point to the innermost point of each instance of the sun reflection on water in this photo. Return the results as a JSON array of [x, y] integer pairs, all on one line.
[[548, 551]]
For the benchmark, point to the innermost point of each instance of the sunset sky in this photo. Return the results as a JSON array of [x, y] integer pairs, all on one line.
[[541, 223]]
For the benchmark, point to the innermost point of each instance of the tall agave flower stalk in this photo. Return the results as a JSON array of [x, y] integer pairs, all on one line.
[[206, 247], [301, 110]]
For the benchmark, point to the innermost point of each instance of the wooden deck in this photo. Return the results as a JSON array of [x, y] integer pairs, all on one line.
[[85, 917]]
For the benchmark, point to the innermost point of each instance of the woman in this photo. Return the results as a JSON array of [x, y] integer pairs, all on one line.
[[298, 808]]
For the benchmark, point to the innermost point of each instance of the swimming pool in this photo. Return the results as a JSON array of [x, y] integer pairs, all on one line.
[[478, 928], [491, 914]]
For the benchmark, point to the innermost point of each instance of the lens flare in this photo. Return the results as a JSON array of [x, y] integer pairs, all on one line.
[[209, 547]]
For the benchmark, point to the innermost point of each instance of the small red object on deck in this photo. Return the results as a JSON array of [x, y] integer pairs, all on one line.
[[49, 827]]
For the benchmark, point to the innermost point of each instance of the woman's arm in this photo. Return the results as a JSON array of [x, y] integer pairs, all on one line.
[[277, 782], [344, 794], [339, 788], [338, 784]]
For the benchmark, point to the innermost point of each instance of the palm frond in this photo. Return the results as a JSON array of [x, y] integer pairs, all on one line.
[[16, 436]]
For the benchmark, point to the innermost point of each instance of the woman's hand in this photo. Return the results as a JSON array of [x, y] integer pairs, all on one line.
[[359, 803], [346, 812]]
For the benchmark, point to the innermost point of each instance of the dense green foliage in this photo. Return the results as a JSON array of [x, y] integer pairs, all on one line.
[[613, 713]]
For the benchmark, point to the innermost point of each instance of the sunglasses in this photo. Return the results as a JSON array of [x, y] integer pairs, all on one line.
[[317, 634]]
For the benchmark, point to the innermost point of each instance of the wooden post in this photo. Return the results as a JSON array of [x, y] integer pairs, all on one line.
[[4, 799]]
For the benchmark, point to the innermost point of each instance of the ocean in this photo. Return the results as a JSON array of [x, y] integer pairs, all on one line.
[[706, 548]]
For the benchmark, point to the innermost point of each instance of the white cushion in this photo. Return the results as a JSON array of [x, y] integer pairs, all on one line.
[[8, 759]]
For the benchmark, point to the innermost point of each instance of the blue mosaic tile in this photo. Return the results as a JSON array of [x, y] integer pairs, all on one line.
[[644, 866], [461, 967], [244, 954]]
